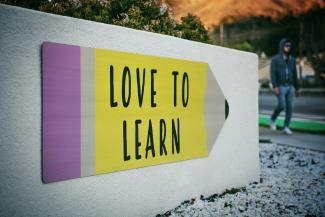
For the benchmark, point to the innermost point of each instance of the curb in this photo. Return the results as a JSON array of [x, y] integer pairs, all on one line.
[[296, 124]]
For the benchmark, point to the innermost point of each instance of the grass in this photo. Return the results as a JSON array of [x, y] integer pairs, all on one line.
[[296, 124]]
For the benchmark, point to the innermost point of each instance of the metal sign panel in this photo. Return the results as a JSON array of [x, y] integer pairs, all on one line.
[[106, 111]]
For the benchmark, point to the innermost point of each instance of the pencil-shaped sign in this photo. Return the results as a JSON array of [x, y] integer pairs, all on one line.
[[106, 111]]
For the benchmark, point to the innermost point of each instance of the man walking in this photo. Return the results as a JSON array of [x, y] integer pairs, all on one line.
[[284, 82]]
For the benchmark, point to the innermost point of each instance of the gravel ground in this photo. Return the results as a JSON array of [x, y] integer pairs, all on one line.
[[292, 184]]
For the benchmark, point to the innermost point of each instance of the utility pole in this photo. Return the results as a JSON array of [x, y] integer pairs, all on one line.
[[221, 34], [301, 28]]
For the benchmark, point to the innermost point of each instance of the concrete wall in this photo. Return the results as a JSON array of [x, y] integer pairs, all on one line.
[[233, 162]]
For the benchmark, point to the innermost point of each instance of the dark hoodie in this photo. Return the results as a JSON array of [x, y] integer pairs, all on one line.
[[283, 72]]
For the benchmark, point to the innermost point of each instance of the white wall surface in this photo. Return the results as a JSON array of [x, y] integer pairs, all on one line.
[[233, 162]]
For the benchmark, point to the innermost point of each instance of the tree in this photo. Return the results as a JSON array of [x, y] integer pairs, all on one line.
[[94, 10], [314, 41], [192, 28], [32, 4], [148, 15]]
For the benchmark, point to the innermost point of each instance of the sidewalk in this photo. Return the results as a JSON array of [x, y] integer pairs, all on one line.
[[297, 139]]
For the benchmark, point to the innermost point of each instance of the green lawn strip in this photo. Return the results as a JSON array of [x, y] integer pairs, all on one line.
[[303, 125]]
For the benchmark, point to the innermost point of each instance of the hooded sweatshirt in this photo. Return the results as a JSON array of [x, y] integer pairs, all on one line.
[[283, 71]]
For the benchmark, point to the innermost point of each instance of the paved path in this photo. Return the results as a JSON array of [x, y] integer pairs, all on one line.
[[298, 139]]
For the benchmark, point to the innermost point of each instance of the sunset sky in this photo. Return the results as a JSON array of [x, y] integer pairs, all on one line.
[[213, 12]]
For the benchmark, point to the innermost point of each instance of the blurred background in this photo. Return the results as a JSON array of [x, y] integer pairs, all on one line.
[[258, 26], [254, 26]]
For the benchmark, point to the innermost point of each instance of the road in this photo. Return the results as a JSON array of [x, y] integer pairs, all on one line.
[[311, 107], [305, 107]]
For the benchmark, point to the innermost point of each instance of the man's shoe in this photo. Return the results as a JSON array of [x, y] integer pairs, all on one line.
[[287, 131], [272, 125]]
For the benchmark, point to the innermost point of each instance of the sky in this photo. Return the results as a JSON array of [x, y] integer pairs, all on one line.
[[214, 12]]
